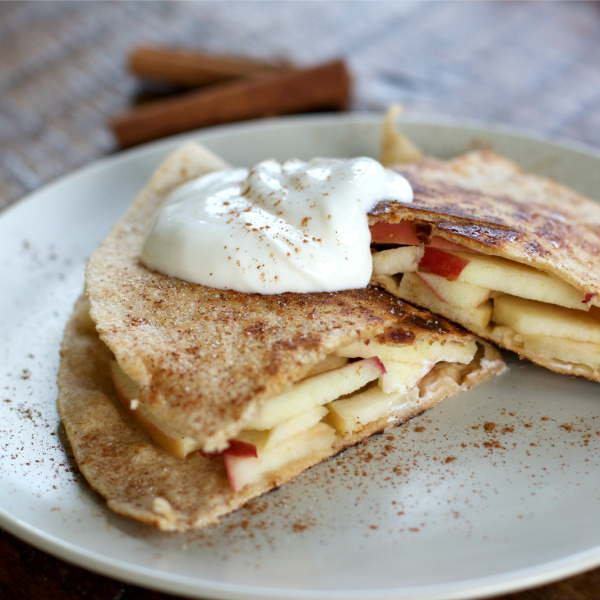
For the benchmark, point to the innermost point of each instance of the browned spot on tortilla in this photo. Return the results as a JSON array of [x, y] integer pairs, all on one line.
[[382, 208], [396, 336], [429, 324], [534, 248], [257, 328]]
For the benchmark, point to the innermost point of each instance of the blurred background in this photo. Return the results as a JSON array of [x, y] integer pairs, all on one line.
[[63, 65], [64, 75]]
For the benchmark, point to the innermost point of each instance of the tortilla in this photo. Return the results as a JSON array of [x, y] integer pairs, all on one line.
[[205, 361], [486, 203], [142, 481]]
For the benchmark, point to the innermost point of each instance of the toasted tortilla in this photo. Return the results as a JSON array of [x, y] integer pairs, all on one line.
[[142, 481], [206, 359], [488, 204]]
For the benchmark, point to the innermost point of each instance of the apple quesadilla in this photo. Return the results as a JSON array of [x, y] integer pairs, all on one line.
[[510, 256], [181, 402]]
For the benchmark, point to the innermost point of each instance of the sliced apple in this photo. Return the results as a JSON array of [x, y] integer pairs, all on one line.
[[294, 426], [397, 260], [464, 295], [403, 233], [243, 471], [316, 391], [252, 442], [128, 393], [394, 233], [429, 351], [569, 351], [516, 279], [414, 290], [239, 448], [442, 263], [402, 377], [352, 414], [327, 364], [247, 443], [530, 317], [252, 437]]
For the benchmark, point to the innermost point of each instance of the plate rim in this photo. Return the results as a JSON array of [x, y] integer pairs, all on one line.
[[482, 587], [513, 581], [367, 117]]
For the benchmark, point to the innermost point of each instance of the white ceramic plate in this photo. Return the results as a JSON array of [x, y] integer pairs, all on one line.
[[438, 509]]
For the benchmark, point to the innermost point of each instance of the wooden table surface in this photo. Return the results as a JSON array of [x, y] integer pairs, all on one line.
[[62, 75]]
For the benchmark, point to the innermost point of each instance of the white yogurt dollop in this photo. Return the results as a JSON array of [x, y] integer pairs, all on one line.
[[291, 227]]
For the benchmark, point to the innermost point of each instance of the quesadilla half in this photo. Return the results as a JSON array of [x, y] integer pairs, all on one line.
[[510, 256], [181, 402]]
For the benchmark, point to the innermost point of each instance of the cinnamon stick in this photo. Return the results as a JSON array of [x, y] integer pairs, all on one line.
[[189, 68], [326, 87]]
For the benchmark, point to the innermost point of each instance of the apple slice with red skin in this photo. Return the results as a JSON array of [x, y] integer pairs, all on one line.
[[235, 448], [246, 470], [440, 259], [403, 233], [394, 233], [246, 464], [441, 263]]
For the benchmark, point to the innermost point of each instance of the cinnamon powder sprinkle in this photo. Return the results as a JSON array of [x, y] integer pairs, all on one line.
[[493, 444]]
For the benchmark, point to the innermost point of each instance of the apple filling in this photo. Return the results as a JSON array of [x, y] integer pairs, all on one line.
[[128, 393], [303, 421], [552, 331], [492, 296], [360, 384]]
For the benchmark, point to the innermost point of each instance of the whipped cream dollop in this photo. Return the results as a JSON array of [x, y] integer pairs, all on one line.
[[291, 227]]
